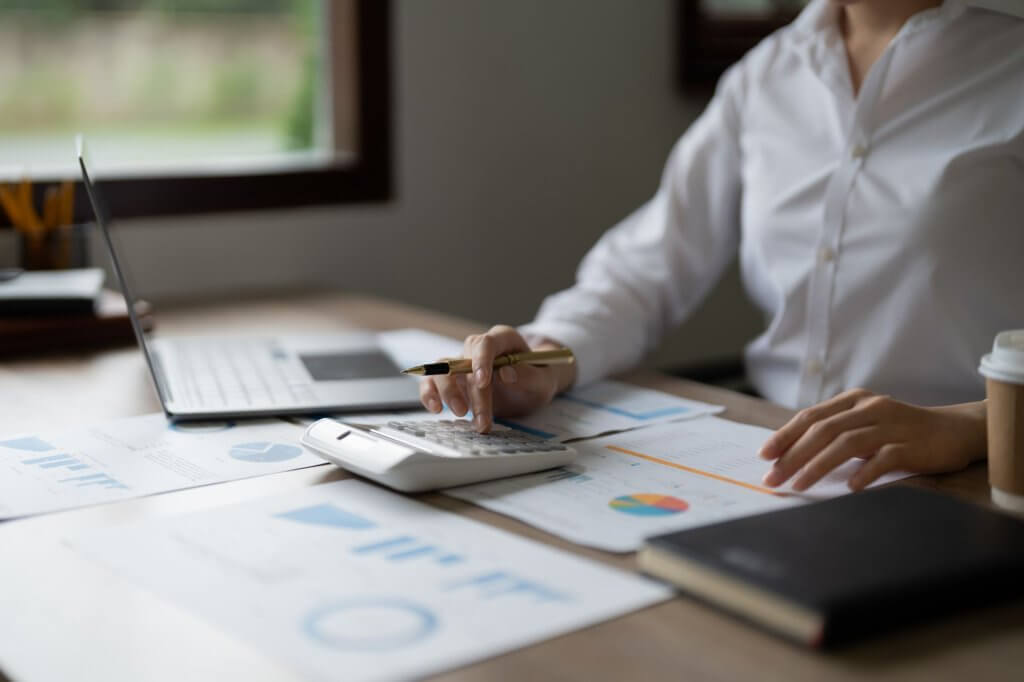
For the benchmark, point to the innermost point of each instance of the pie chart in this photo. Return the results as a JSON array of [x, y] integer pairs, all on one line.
[[648, 504], [265, 452]]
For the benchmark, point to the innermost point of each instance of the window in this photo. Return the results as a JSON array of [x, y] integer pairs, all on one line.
[[200, 105]]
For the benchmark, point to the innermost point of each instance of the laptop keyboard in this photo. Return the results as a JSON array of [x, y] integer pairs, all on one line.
[[224, 373]]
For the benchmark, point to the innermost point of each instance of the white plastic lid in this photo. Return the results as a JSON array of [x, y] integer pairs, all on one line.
[[1006, 361]]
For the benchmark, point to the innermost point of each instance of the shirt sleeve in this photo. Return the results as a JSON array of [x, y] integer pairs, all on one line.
[[649, 272]]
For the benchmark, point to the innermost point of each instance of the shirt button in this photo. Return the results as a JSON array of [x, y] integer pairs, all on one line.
[[826, 255], [814, 366], [859, 151]]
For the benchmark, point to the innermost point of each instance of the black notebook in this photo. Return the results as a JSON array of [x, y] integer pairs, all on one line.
[[834, 572]]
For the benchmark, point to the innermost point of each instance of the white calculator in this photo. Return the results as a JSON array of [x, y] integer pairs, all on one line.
[[414, 456]]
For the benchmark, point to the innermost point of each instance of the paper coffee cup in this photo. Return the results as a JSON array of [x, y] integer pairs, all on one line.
[[1003, 370]]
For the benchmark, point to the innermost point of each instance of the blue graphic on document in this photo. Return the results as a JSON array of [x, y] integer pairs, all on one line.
[[94, 480], [406, 548], [61, 461], [70, 463], [29, 444], [533, 431], [499, 583], [656, 413], [327, 515], [370, 624], [265, 452]]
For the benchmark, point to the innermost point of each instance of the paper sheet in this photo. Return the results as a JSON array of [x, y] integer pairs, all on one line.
[[348, 581], [138, 456], [665, 478], [607, 406], [601, 407]]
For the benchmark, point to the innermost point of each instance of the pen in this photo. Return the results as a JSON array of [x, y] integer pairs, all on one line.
[[560, 356]]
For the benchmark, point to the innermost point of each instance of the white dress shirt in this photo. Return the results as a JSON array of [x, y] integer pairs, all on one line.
[[882, 234]]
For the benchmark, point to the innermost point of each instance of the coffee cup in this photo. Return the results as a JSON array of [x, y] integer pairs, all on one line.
[[1003, 370]]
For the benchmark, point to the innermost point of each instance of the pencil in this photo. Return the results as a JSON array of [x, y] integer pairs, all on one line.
[[560, 356]]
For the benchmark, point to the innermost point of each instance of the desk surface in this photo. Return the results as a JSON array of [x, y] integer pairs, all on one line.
[[128, 629]]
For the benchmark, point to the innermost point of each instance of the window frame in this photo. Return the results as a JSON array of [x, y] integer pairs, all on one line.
[[708, 45], [366, 179]]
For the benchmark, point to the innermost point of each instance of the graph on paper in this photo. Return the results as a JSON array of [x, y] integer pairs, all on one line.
[[138, 456], [348, 577]]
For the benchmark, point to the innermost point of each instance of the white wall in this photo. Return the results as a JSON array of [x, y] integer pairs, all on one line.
[[523, 130]]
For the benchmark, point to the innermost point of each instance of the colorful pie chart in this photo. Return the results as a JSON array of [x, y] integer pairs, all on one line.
[[648, 504]]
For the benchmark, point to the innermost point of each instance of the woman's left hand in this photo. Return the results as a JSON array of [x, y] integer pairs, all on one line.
[[887, 434]]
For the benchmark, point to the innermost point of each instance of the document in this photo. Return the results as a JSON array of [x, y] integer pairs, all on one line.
[[602, 407], [348, 581], [139, 456], [629, 486]]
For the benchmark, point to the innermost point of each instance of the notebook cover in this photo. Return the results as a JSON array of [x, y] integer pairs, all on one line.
[[866, 562]]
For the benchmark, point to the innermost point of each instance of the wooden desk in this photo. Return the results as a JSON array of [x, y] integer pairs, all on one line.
[[122, 628]]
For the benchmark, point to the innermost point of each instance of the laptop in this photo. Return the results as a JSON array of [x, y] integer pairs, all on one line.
[[217, 377]]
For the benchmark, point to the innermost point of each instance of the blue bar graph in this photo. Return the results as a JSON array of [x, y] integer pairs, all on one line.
[[66, 462], [327, 515], [499, 583], [94, 479], [61, 461], [29, 444], [43, 460], [406, 547]]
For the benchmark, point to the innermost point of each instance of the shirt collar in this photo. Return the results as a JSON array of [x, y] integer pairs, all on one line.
[[821, 16]]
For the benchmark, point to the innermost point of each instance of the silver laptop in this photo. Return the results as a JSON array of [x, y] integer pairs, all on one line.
[[219, 377]]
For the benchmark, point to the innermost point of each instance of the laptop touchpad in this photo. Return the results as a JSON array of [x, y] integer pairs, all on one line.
[[346, 366]]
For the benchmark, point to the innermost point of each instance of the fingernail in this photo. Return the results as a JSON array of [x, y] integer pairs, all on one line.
[[481, 378], [771, 479], [479, 421], [508, 375], [458, 407], [433, 406], [765, 452]]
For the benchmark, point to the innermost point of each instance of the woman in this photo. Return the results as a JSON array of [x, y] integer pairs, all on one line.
[[867, 162]]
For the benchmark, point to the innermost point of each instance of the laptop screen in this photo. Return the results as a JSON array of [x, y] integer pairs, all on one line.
[[103, 224]]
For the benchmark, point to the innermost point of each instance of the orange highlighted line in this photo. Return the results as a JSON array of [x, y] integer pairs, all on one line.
[[699, 472]]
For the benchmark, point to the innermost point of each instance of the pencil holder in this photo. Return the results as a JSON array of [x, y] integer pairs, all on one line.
[[64, 247]]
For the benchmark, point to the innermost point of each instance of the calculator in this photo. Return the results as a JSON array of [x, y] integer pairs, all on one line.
[[415, 456]]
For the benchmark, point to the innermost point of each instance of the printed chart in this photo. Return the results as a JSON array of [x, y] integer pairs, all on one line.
[[629, 486], [330, 578], [607, 406], [648, 504], [138, 456]]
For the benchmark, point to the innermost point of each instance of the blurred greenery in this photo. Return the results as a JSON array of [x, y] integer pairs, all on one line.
[[300, 125], [243, 89], [70, 7]]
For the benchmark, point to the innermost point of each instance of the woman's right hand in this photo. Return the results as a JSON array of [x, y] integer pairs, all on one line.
[[509, 392]]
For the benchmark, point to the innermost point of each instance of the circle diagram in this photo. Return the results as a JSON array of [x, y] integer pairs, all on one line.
[[265, 452], [370, 624], [648, 504]]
